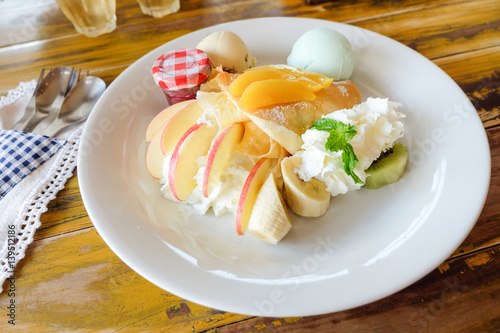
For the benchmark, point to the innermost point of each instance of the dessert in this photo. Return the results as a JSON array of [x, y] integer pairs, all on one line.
[[271, 138], [226, 49], [324, 51], [179, 73]]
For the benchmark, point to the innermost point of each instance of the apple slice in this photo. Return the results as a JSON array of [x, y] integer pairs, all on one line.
[[159, 121], [178, 125], [155, 157], [251, 188], [220, 153], [194, 142]]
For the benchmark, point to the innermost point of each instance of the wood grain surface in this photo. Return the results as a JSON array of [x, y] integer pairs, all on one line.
[[71, 281]]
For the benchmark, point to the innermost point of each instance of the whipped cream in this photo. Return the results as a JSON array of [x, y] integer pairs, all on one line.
[[378, 126], [223, 197]]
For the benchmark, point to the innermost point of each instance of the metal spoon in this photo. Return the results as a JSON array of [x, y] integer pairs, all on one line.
[[77, 105], [30, 108], [54, 86]]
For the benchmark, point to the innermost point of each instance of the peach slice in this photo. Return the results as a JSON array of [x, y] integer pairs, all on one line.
[[275, 91], [195, 142], [320, 81], [312, 81], [178, 125], [162, 118], [219, 154], [251, 188], [241, 82]]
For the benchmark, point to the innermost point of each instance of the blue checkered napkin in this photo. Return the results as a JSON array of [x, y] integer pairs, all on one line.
[[21, 153]]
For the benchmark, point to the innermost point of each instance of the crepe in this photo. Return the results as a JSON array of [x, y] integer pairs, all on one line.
[[285, 123]]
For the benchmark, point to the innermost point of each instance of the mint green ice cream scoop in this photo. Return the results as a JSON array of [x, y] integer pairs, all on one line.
[[323, 51]]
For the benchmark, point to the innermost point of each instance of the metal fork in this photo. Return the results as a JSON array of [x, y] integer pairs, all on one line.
[[30, 107], [55, 107]]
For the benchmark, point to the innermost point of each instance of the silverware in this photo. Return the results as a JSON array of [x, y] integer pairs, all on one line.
[[77, 105], [30, 107], [50, 95], [55, 107]]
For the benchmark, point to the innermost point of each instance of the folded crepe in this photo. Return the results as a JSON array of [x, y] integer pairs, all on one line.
[[285, 123]]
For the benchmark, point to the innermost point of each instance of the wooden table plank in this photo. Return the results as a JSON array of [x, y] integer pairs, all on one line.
[[478, 74], [471, 25]]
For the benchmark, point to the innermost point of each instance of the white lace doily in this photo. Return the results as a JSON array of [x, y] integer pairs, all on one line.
[[22, 207]]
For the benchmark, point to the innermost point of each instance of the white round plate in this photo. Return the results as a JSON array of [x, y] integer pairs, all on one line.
[[369, 244]]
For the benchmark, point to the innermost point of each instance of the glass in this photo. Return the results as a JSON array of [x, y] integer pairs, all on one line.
[[159, 8], [90, 17]]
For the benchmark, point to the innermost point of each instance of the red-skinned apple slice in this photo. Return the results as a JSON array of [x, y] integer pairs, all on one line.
[[155, 156], [251, 188], [178, 125], [159, 121], [194, 142], [220, 153]]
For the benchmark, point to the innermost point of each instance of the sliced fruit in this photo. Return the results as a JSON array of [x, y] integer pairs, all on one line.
[[297, 72], [388, 168], [274, 91], [251, 188], [241, 82], [270, 220], [178, 125], [155, 157], [277, 168], [309, 199], [195, 142], [160, 120], [219, 154], [312, 81]]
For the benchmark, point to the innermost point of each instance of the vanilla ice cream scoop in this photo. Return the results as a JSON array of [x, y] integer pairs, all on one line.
[[323, 51], [226, 49]]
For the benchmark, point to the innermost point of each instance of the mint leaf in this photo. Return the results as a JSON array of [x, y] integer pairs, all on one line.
[[335, 141], [340, 135], [350, 160], [323, 124]]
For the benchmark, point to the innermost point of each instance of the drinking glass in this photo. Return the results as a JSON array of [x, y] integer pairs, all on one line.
[[159, 8], [90, 17]]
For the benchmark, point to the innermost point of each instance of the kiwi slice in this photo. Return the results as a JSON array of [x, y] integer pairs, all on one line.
[[388, 168]]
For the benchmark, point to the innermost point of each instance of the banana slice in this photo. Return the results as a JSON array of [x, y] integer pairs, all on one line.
[[270, 220], [309, 199]]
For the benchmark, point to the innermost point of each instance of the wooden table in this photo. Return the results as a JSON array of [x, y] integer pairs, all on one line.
[[71, 281]]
